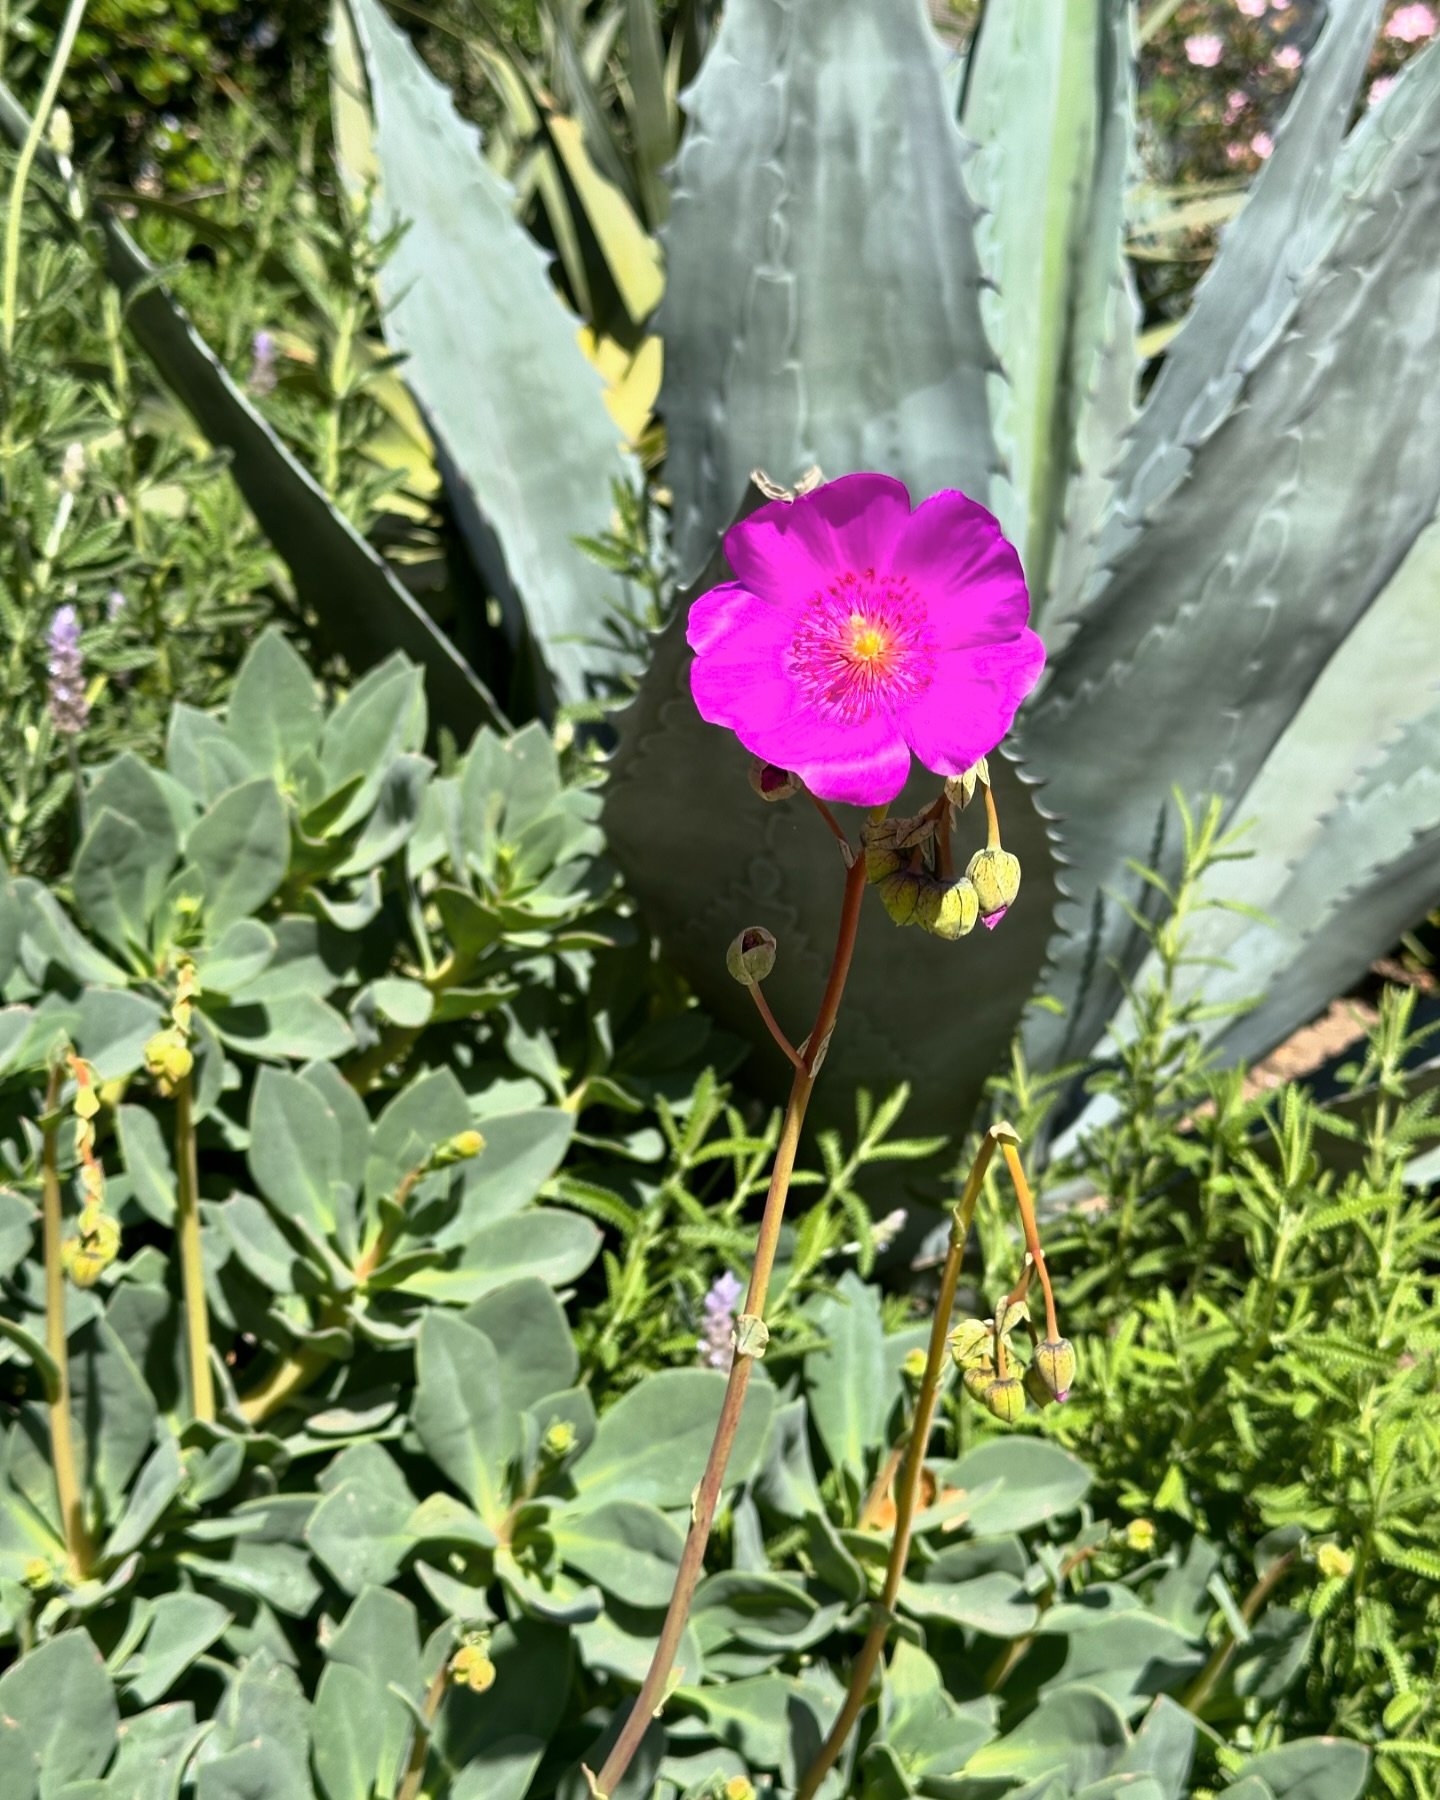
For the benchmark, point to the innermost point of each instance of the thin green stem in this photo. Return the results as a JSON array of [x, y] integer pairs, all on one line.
[[64, 44], [420, 1744], [192, 1263], [907, 1496], [62, 1431], [707, 1496], [1203, 1685]]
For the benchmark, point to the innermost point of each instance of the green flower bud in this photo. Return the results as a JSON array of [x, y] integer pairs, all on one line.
[[38, 1575], [1005, 1398], [772, 783], [970, 1344], [1055, 1362], [996, 874], [168, 1059], [738, 1787], [460, 1148], [1037, 1389], [559, 1439], [880, 862], [900, 895], [752, 956], [913, 1367], [470, 1667], [948, 909]]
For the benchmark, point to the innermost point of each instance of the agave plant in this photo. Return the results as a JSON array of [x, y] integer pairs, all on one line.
[[879, 255]]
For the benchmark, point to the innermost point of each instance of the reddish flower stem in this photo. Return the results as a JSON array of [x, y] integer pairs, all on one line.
[[1032, 1234], [707, 1496], [907, 1495], [773, 1027]]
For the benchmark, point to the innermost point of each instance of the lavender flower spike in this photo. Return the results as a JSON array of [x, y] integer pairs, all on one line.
[[715, 1347], [69, 708], [263, 373]]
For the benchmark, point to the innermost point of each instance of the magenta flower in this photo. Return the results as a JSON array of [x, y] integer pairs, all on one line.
[[858, 631]]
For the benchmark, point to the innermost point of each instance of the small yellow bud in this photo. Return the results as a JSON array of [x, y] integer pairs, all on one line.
[[948, 909], [470, 1667], [914, 1364], [738, 1787], [38, 1575], [468, 1143], [1055, 1364], [900, 895], [559, 1439], [752, 956], [168, 1059], [1140, 1536], [771, 783], [996, 874], [1334, 1563]]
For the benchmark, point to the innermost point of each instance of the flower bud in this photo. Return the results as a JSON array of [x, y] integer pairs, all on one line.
[[61, 133], [470, 1667], [880, 862], [1333, 1562], [913, 1367], [976, 1379], [996, 874], [460, 1148], [1037, 1389], [38, 1575], [1140, 1536], [168, 1059], [752, 956], [1055, 1363], [559, 1439], [85, 1258], [970, 1344], [900, 895], [738, 1787], [1005, 1398], [948, 909], [772, 783]]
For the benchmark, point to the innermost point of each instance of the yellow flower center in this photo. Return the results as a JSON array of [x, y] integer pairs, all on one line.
[[868, 643]]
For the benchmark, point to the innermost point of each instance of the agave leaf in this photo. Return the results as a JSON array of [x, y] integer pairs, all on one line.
[[651, 118], [1363, 880], [822, 288], [1318, 800], [1218, 618], [1296, 210], [1048, 101], [705, 858], [1104, 352], [359, 602], [495, 362], [631, 256]]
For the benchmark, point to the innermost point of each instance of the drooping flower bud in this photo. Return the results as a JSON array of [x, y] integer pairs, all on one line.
[[996, 874], [976, 1378], [1036, 1388], [948, 909], [1055, 1363], [970, 1344], [752, 955], [1004, 1397], [900, 894], [880, 862], [772, 783]]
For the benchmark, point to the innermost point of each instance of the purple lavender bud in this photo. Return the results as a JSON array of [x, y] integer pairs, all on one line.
[[114, 605], [69, 708], [263, 376], [715, 1347]]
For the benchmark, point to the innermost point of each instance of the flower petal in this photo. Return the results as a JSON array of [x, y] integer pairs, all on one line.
[[790, 549], [971, 703], [955, 553], [865, 763], [738, 676]]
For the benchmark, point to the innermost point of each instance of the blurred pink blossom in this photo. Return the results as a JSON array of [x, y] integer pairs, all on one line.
[[1412, 24], [1379, 88], [1234, 152], [1205, 50], [1252, 9], [1262, 144], [1235, 104], [1287, 57]]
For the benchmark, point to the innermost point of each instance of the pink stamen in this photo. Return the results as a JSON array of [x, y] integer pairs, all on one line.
[[862, 644]]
